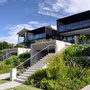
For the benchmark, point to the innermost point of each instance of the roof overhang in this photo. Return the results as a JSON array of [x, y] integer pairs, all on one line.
[[75, 18], [23, 31]]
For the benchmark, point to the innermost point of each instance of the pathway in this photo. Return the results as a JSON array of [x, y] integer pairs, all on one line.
[[9, 85], [3, 76], [86, 88]]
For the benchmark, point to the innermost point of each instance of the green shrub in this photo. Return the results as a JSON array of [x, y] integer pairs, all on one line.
[[77, 54], [20, 46], [27, 82], [0, 53], [59, 76], [50, 85], [82, 39], [24, 57], [10, 61], [5, 68], [16, 60]]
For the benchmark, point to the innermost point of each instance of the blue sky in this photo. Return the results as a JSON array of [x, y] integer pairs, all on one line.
[[18, 14]]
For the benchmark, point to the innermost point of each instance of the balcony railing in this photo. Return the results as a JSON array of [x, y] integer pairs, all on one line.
[[38, 36], [78, 25]]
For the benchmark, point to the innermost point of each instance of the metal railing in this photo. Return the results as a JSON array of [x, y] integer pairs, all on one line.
[[47, 47]]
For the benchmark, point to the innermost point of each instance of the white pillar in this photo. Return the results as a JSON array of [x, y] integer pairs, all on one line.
[[76, 39], [13, 73]]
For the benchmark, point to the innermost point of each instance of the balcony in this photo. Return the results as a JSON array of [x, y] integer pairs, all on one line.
[[21, 41], [74, 26], [38, 36]]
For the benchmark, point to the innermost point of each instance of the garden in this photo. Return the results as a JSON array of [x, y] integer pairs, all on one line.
[[13, 61], [69, 70]]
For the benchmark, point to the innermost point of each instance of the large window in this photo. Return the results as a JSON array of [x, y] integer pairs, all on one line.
[[21, 40], [73, 26], [38, 36]]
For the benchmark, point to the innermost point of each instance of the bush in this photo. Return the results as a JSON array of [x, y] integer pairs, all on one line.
[[16, 60], [20, 46], [5, 68], [59, 76], [77, 54], [24, 57], [82, 39], [11, 60], [50, 85]]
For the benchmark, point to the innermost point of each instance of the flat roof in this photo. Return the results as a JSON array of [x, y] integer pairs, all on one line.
[[24, 30], [37, 30], [75, 18]]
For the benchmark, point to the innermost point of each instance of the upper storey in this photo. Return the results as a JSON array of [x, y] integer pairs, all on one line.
[[74, 22]]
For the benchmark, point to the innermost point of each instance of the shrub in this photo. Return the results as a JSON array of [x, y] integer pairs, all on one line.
[[24, 57], [5, 68], [16, 60], [11, 60], [59, 76], [20, 46], [82, 39], [38, 76], [50, 85], [77, 54]]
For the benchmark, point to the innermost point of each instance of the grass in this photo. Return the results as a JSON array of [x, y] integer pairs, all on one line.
[[5, 80], [24, 87]]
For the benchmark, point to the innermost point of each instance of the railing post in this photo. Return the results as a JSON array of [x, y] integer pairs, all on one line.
[[13, 73]]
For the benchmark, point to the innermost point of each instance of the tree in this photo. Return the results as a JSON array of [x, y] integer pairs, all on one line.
[[5, 45]]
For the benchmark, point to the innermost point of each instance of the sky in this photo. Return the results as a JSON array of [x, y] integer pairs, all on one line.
[[16, 15]]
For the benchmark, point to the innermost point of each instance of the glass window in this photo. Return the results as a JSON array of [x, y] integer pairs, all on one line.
[[38, 36], [73, 26]]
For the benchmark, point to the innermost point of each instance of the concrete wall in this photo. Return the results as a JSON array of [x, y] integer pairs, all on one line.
[[37, 47], [22, 50]]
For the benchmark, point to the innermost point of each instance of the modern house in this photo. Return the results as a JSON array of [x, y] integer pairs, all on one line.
[[28, 37], [68, 30], [72, 26]]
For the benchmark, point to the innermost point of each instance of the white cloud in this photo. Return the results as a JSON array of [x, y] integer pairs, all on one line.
[[3, 1], [64, 6], [14, 29]]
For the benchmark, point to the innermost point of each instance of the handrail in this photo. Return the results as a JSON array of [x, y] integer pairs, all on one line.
[[34, 55]]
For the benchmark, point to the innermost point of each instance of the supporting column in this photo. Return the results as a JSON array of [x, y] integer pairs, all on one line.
[[18, 38], [25, 37], [76, 39], [13, 73]]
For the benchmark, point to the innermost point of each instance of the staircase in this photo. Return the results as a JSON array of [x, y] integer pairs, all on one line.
[[38, 66], [31, 70]]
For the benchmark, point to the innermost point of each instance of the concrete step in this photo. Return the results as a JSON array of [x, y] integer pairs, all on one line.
[[22, 77], [26, 75], [19, 80], [35, 67], [31, 70]]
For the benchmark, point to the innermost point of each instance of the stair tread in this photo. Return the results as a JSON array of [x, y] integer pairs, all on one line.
[[31, 70]]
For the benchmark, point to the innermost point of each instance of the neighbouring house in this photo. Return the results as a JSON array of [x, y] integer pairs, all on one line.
[[14, 51], [69, 28], [28, 37]]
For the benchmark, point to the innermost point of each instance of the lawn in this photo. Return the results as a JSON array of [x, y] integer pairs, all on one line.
[[4, 80], [24, 87]]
